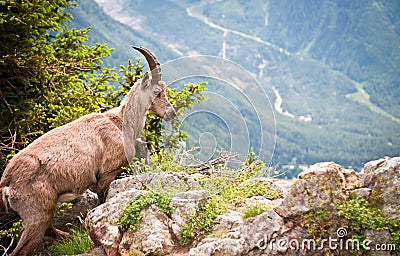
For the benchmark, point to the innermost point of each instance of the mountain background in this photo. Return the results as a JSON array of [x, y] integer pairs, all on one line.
[[331, 69]]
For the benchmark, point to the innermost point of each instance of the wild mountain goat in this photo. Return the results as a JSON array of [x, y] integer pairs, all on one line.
[[87, 153]]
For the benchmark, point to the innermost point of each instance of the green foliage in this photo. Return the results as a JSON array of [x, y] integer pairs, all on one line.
[[250, 169], [317, 221], [357, 216], [163, 161], [130, 217], [81, 243], [362, 215], [254, 211], [49, 76], [231, 195], [252, 157], [14, 231]]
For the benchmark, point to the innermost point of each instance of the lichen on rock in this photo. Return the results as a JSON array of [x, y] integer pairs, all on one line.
[[315, 206]]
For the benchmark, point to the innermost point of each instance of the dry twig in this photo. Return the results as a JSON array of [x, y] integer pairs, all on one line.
[[223, 157]]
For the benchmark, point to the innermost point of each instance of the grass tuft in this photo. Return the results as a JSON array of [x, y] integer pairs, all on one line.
[[81, 243]]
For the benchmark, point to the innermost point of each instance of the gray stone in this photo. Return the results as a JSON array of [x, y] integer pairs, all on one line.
[[383, 177], [75, 215], [242, 239], [361, 193], [377, 239], [315, 188], [153, 237], [185, 204], [178, 181], [320, 187], [96, 251], [158, 233], [227, 221], [101, 221]]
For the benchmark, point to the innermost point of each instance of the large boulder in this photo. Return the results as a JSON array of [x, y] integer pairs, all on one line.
[[245, 239], [158, 233], [382, 177], [179, 181], [276, 231], [101, 222], [318, 187]]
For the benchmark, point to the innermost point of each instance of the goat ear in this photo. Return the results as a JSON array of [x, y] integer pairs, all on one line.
[[145, 81]]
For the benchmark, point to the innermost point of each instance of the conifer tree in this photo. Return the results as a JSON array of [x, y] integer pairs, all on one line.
[[48, 75]]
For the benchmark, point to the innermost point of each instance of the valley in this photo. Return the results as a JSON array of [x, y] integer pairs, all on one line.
[[327, 64]]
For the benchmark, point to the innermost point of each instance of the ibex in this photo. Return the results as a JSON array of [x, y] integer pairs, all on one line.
[[87, 153]]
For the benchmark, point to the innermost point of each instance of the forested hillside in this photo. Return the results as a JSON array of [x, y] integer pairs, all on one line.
[[330, 68]]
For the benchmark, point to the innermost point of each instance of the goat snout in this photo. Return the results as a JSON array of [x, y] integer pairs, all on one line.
[[169, 114]]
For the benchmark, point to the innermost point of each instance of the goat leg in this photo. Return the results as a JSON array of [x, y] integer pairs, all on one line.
[[35, 227], [30, 239], [56, 233], [36, 213], [103, 183]]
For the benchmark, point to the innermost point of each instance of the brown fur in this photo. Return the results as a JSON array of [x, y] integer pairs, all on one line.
[[86, 153]]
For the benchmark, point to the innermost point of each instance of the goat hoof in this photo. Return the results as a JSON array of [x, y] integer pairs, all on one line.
[[62, 234], [56, 233]]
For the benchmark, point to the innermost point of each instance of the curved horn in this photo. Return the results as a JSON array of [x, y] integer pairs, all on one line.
[[153, 62]]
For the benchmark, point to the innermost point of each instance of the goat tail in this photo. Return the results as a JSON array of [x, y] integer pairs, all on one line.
[[5, 193]]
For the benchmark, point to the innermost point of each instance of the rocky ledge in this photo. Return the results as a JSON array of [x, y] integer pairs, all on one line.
[[328, 210]]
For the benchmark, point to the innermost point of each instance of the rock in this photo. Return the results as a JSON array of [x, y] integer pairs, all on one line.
[[153, 236], [321, 187], [158, 233], [317, 187], [259, 200], [227, 221], [184, 205], [96, 251], [351, 179], [242, 239], [361, 193], [101, 221], [383, 177], [377, 237], [75, 215], [156, 181]]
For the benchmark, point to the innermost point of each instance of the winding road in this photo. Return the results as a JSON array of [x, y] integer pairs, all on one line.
[[190, 11], [361, 96]]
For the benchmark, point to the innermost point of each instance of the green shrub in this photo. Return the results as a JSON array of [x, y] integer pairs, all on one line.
[[362, 215], [317, 221], [81, 243], [230, 196], [14, 231], [254, 211], [357, 216], [130, 217]]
